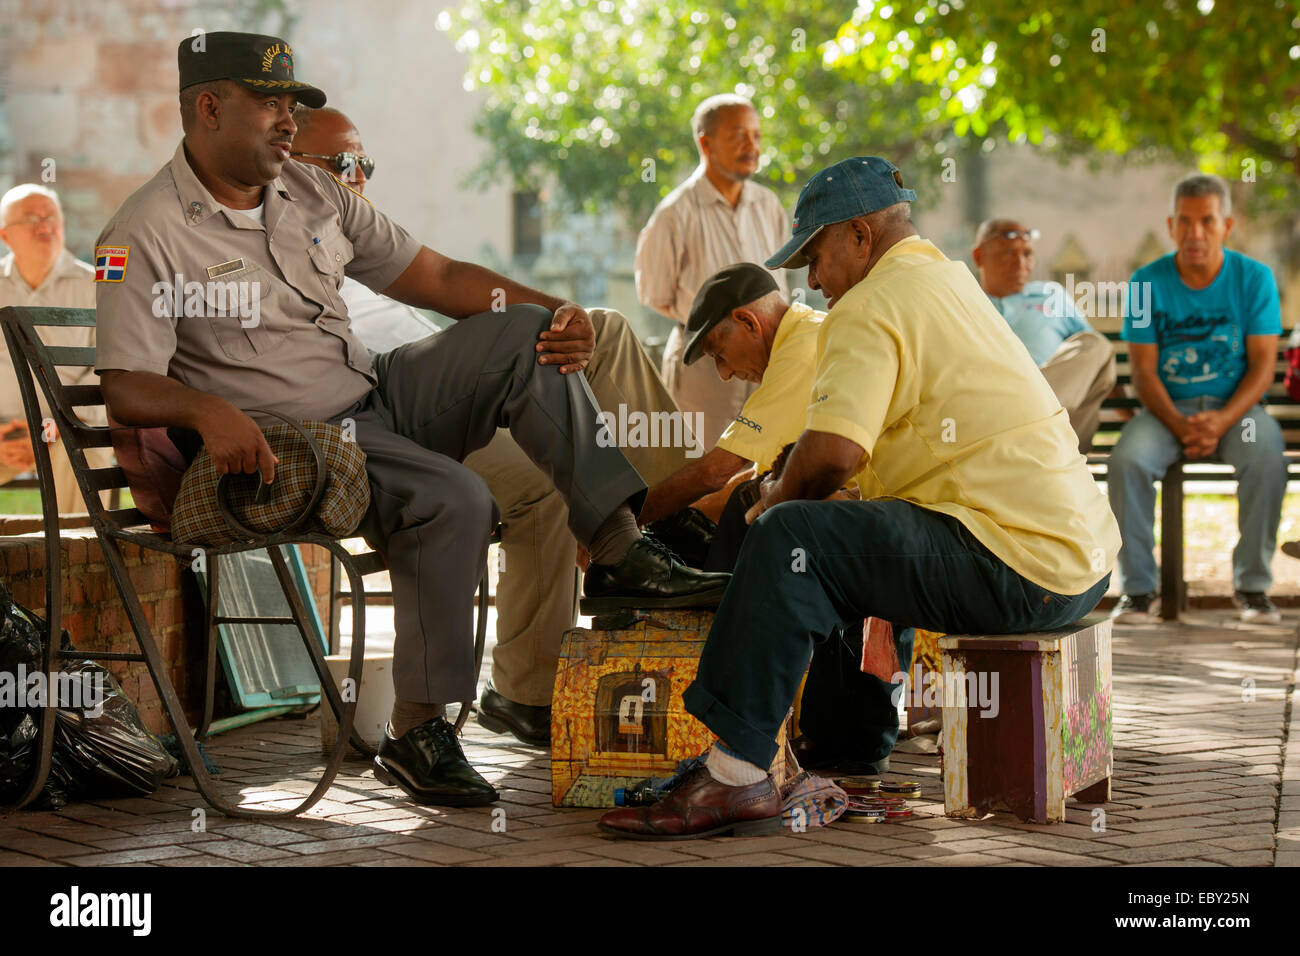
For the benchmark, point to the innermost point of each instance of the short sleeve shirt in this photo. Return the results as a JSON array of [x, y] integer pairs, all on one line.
[[1201, 332], [694, 232], [773, 416], [69, 285], [918, 368], [1043, 316], [246, 310]]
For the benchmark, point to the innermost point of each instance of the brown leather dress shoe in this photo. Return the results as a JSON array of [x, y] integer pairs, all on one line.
[[699, 807]]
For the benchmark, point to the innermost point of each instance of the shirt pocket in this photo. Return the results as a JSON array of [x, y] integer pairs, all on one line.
[[330, 256], [242, 315]]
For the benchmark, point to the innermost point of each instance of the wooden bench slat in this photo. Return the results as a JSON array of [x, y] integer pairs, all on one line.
[[80, 396], [106, 479], [71, 354]]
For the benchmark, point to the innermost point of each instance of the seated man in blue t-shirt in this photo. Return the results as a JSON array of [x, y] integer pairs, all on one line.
[[1202, 324], [1076, 360]]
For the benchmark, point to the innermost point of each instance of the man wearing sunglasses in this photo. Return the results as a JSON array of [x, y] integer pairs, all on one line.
[[1077, 361], [535, 585], [231, 206], [326, 138]]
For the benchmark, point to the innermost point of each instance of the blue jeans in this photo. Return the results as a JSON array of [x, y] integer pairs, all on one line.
[[809, 569], [1146, 448]]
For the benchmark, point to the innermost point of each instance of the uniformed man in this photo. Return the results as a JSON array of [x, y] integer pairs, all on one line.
[[535, 581], [222, 295], [978, 515]]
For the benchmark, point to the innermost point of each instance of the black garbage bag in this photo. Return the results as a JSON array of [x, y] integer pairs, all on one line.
[[101, 749], [20, 656]]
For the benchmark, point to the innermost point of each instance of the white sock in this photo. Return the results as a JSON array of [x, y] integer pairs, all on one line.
[[733, 771]]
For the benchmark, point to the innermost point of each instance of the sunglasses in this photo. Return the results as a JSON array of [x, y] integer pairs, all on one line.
[[345, 163], [1030, 234]]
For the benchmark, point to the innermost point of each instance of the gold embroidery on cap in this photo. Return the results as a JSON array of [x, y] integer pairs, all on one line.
[[269, 57], [274, 84]]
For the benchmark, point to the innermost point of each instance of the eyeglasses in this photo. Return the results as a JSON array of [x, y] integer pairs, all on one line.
[[345, 163], [34, 221], [1030, 234]]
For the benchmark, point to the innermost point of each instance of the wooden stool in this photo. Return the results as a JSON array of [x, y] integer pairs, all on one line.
[[1027, 721]]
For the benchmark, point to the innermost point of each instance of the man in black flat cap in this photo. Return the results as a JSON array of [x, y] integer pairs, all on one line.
[[230, 206], [742, 321]]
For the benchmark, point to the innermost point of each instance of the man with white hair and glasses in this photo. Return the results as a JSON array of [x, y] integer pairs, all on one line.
[[1077, 361], [40, 271]]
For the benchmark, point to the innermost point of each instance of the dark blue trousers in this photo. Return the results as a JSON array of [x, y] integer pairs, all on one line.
[[810, 569]]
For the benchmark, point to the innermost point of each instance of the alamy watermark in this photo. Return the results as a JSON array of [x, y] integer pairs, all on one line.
[[950, 689], [1101, 299], [85, 691], [632, 428], [76, 909], [211, 299]]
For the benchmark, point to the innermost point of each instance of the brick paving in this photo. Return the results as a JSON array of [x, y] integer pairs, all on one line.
[[1204, 776]]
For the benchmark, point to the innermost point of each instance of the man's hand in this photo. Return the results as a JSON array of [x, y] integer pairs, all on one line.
[[1204, 430], [570, 340], [766, 487], [235, 443]]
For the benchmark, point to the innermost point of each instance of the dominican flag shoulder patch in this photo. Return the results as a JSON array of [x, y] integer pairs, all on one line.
[[110, 263]]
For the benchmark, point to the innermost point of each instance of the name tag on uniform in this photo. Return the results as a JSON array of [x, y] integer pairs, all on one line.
[[226, 268]]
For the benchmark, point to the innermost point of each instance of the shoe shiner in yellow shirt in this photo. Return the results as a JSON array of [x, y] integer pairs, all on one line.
[[744, 325], [978, 514], [741, 320]]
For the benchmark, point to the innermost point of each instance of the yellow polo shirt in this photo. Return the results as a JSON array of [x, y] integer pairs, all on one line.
[[917, 367], [773, 416]]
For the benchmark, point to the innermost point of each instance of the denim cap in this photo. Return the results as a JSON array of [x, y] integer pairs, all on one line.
[[851, 188]]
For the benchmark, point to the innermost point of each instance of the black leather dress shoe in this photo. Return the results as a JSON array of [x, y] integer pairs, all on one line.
[[689, 533], [501, 715], [815, 756], [650, 576], [429, 765]]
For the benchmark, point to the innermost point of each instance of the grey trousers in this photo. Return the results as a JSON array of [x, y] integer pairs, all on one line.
[[438, 400], [535, 599]]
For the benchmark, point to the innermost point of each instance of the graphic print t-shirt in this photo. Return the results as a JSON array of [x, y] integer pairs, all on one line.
[[1202, 332]]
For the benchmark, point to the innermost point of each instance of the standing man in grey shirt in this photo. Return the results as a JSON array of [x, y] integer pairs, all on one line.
[[715, 218]]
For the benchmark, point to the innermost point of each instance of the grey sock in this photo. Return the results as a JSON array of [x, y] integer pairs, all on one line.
[[618, 532], [411, 713]]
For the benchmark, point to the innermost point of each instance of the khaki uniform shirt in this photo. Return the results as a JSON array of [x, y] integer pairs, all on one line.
[[69, 285], [232, 307]]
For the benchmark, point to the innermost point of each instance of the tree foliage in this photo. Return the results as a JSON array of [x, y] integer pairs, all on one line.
[[591, 92], [1216, 84]]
